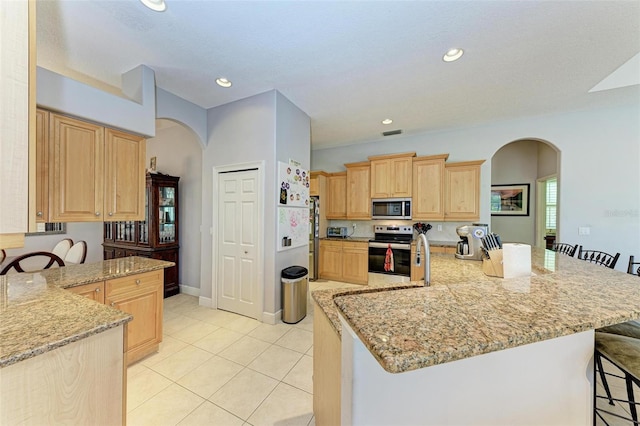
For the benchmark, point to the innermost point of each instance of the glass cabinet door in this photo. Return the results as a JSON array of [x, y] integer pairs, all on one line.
[[166, 215], [143, 226]]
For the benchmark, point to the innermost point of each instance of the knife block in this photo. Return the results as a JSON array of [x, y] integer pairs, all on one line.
[[493, 266]]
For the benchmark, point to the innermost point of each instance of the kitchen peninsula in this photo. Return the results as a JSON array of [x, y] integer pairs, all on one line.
[[472, 349], [63, 357]]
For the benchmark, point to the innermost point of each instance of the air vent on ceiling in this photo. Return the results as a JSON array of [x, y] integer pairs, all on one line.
[[392, 132]]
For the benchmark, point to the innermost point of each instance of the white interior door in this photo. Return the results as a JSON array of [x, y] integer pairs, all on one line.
[[238, 237]]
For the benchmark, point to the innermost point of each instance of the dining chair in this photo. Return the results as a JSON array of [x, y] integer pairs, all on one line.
[[34, 261], [634, 267], [77, 253], [598, 257], [62, 247], [565, 248]]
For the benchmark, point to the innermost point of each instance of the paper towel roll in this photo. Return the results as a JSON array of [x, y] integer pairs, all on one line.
[[516, 260]]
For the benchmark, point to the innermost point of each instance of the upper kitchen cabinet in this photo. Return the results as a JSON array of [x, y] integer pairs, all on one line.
[[317, 183], [428, 187], [42, 165], [17, 103], [358, 181], [95, 173], [337, 195], [391, 175], [462, 191]]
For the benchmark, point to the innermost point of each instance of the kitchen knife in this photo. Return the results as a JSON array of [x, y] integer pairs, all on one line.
[[498, 240]]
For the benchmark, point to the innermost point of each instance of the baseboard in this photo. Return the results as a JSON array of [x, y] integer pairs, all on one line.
[[207, 302], [273, 319], [191, 291]]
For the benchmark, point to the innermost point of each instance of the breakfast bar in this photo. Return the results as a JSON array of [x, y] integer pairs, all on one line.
[[474, 349]]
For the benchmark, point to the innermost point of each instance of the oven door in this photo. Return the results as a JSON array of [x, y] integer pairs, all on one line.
[[401, 258]]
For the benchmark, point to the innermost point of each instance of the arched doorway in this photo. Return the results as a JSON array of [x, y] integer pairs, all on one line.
[[532, 163]]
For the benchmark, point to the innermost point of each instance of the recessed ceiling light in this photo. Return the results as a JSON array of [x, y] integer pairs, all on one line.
[[157, 5], [387, 121], [452, 55], [223, 82]]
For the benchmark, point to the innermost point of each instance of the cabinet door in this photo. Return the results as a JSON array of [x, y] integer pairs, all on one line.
[[337, 196], [358, 199], [171, 275], [93, 291], [462, 191], [401, 173], [314, 186], [380, 179], [77, 170], [141, 296], [355, 263], [124, 176], [42, 165], [330, 262], [428, 193]]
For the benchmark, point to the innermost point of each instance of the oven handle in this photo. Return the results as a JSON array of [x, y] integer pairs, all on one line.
[[394, 246]]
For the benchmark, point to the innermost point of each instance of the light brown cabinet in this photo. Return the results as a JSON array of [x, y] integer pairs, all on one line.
[[428, 187], [42, 165], [337, 195], [346, 261], [462, 191], [358, 181], [93, 291], [141, 296], [317, 183], [95, 173], [391, 175]]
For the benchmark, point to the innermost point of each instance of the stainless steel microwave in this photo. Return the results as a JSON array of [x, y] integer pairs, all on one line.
[[391, 208]]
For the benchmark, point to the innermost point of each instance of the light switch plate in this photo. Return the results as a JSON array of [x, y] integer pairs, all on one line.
[[584, 230]]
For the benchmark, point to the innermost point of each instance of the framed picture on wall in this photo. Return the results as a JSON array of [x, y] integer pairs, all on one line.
[[510, 200]]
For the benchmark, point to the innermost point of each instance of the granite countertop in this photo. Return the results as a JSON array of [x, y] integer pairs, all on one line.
[[37, 315], [465, 313]]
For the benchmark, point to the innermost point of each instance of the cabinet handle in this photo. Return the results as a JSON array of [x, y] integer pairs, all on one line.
[[39, 214], [113, 303], [138, 282], [110, 213], [97, 213], [98, 290]]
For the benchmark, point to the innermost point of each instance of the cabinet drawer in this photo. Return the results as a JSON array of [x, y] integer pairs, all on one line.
[[331, 243], [133, 283], [355, 245]]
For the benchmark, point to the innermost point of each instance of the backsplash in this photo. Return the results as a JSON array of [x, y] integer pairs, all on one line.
[[364, 228]]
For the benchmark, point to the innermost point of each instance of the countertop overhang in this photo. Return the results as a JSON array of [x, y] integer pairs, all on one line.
[[465, 313], [37, 315]]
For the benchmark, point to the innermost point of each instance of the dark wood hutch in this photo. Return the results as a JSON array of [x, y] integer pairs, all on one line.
[[155, 237]]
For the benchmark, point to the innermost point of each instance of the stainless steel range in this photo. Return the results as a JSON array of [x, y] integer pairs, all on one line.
[[390, 254]]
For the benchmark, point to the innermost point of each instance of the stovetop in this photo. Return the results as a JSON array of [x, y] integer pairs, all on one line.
[[392, 234]]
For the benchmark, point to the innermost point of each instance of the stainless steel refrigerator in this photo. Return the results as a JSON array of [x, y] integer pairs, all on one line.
[[314, 237]]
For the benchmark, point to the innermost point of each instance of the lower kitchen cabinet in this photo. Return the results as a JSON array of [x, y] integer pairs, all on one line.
[[346, 261], [140, 295]]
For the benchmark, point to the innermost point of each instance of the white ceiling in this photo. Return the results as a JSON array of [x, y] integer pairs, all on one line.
[[350, 64]]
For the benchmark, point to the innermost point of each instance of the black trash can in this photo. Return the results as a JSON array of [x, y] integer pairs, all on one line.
[[295, 285]]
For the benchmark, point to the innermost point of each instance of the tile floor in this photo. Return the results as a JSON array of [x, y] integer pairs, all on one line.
[[219, 368]]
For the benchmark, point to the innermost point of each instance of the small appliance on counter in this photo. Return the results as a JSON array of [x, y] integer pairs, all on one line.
[[470, 245], [337, 232]]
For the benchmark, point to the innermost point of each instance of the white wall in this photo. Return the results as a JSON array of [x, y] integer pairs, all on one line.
[[516, 163], [247, 131], [600, 153], [178, 153]]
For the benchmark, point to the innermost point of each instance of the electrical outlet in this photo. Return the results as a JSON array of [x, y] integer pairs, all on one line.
[[439, 227], [354, 226]]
